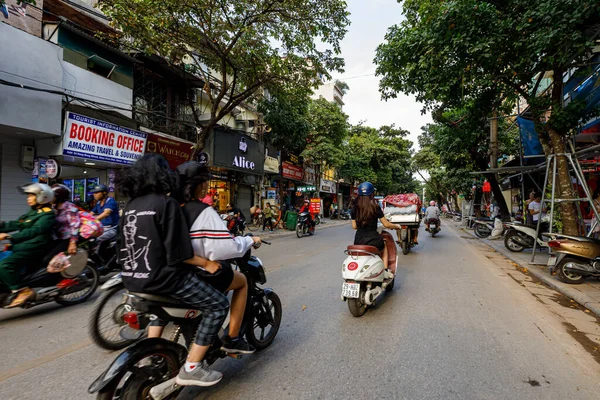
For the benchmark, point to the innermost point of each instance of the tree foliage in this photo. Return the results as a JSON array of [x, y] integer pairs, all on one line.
[[250, 45], [328, 130], [381, 156], [460, 50]]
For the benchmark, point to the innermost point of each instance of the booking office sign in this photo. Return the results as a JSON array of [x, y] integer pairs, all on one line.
[[92, 139]]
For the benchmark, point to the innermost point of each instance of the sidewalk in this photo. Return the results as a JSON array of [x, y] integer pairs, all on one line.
[[587, 294], [325, 223]]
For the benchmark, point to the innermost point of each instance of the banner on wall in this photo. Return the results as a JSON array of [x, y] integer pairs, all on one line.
[[291, 171], [175, 151], [92, 139]]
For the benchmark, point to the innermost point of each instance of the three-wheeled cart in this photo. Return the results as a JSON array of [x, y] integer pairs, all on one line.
[[404, 210]]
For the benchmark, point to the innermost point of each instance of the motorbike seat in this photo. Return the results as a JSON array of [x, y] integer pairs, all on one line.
[[579, 238], [358, 250], [158, 299]]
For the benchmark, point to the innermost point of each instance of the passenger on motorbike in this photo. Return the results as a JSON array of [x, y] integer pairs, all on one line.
[[65, 234], [306, 209], [156, 254], [238, 216], [30, 244], [212, 241], [432, 212], [365, 214]]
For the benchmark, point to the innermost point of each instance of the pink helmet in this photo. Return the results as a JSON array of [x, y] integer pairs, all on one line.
[[432, 203]]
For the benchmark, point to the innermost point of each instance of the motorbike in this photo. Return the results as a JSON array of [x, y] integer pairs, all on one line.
[[365, 276], [303, 225], [147, 369], [236, 229], [576, 258], [483, 227], [103, 256], [434, 226], [74, 285], [335, 214], [518, 237], [345, 215]]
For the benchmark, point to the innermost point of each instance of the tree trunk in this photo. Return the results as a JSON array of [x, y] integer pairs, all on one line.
[[568, 212], [500, 200]]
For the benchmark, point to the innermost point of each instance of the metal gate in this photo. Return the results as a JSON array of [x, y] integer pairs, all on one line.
[[244, 199]]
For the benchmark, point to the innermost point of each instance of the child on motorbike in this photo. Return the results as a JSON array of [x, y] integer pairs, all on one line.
[[365, 214], [156, 254], [30, 244], [211, 240]]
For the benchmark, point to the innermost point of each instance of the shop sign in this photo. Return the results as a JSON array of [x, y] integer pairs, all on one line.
[[175, 151], [235, 151], [327, 186], [92, 139], [307, 188], [271, 164], [315, 206], [310, 175], [52, 168], [290, 171]]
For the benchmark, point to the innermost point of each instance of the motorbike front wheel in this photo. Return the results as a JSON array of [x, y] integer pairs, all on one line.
[[565, 274], [265, 315], [482, 231], [511, 244], [106, 319], [300, 230]]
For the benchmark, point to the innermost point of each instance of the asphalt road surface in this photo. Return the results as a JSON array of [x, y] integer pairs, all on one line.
[[457, 326]]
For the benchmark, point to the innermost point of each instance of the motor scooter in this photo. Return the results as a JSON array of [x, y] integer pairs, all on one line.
[[483, 227], [365, 275], [519, 237], [434, 226], [576, 258]]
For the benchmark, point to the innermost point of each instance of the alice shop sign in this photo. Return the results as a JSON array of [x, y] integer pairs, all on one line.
[[235, 151]]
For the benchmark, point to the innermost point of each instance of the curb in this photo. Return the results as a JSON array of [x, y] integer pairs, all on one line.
[[285, 232], [581, 298]]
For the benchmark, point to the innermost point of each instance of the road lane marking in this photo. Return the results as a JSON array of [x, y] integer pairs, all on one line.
[[28, 365]]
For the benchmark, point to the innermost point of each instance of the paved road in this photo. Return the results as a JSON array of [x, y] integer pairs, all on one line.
[[455, 327]]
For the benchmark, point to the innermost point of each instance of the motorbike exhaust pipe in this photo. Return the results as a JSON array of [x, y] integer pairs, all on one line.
[[581, 269], [372, 295], [163, 390]]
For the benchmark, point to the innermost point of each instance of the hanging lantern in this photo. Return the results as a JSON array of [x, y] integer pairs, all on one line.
[[487, 188]]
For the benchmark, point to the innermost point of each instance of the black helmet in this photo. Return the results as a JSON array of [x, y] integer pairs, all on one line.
[[61, 193], [192, 170], [99, 189]]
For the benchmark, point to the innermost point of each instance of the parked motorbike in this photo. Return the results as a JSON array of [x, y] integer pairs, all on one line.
[[335, 214], [303, 226], [576, 258], [365, 276], [345, 215], [74, 285], [434, 226], [147, 369], [518, 237], [483, 227]]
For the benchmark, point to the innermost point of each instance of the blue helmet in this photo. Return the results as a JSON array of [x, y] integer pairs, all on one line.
[[366, 189]]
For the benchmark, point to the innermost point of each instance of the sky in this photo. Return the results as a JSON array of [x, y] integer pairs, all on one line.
[[369, 22]]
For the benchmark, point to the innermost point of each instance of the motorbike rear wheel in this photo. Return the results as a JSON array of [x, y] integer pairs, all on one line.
[[261, 320], [89, 280], [482, 231], [136, 382], [511, 244], [109, 310], [357, 307], [564, 273], [405, 247]]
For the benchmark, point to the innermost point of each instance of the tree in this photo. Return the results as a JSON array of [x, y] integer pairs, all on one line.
[[328, 129], [286, 113], [456, 50], [381, 157], [251, 45]]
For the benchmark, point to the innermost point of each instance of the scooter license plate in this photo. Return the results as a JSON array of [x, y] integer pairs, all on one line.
[[551, 261], [433, 226], [350, 290]]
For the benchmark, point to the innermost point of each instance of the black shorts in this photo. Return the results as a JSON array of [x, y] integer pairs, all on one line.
[[220, 280], [376, 241]]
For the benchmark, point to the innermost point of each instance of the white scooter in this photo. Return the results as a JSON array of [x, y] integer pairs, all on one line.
[[365, 276], [518, 237]]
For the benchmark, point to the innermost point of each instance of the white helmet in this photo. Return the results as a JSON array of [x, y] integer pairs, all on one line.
[[432, 203], [43, 193]]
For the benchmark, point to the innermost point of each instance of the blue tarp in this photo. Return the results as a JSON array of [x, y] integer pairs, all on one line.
[[529, 138]]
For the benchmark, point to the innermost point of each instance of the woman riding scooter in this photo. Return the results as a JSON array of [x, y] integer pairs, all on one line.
[[30, 244], [365, 214]]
